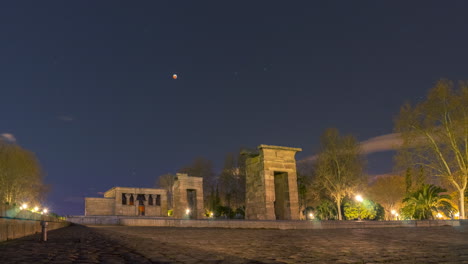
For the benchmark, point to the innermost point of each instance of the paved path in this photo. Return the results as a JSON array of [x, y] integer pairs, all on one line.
[[75, 244], [118, 244], [378, 245]]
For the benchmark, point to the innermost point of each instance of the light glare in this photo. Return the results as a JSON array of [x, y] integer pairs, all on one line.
[[359, 198]]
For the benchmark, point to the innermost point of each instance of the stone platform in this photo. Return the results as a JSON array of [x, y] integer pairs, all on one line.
[[126, 244], [212, 223]]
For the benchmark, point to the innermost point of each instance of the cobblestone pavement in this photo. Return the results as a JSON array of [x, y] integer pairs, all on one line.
[[119, 244], [75, 244], [378, 245]]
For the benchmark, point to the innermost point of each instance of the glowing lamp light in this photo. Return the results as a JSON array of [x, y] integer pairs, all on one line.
[[24, 206], [394, 212], [439, 215], [211, 214], [187, 211], [174, 76], [359, 198], [36, 209], [457, 215], [311, 215], [45, 211]]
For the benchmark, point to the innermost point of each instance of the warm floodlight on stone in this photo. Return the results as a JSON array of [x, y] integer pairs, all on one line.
[[45, 211], [187, 211], [24, 206]]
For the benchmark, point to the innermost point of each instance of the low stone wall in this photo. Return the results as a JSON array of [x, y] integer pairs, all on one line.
[[94, 220], [211, 223], [16, 223], [16, 228], [283, 224]]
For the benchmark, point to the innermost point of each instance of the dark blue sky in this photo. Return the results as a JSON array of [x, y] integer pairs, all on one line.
[[87, 86]]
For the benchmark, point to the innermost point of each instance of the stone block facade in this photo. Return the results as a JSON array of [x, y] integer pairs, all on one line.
[[271, 184], [129, 201], [188, 197]]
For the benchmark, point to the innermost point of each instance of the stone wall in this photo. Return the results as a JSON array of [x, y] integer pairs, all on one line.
[[99, 206], [16, 223], [272, 173], [282, 224]]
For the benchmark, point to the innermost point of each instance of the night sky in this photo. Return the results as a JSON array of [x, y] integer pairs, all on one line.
[[87, 85]]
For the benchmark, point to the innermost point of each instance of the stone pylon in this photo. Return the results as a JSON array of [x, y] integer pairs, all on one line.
[[271, 184]]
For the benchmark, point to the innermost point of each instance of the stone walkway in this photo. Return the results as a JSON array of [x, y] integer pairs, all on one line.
[[119, 244], [378, 245], [75, 244]]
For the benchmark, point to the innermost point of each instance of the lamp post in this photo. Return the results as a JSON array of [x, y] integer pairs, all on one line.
[[359, 199]]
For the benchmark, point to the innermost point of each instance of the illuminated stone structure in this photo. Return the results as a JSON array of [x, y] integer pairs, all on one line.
[[188, 197], [129, 202], [271, 184]]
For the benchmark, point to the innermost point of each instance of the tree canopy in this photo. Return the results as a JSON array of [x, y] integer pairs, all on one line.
[[339, 166], [435, 135], [21, 176], [389, 191]]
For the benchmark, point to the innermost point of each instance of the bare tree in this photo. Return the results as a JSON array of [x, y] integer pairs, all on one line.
[[339, 166], [202, 167], [166, 182], [232, 181], [20, 175], [389, 191], [435, 136]]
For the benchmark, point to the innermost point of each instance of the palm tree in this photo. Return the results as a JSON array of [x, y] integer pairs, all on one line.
[[426, 202]]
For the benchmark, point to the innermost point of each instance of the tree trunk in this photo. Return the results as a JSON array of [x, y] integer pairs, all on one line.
[[462, 204], [338, 204]]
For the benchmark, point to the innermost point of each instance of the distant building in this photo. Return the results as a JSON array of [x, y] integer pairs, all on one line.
[[129, 202]]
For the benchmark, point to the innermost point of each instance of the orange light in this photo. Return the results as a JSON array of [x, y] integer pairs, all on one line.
[[174, 76]]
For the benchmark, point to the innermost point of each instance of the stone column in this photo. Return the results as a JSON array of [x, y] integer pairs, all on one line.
[[146, 202], [135, 203], [127, 196]]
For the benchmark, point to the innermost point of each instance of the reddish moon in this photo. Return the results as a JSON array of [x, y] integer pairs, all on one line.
[[174, 76]]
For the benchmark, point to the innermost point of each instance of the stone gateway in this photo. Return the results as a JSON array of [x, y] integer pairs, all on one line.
[[271, 184], [188, 197]]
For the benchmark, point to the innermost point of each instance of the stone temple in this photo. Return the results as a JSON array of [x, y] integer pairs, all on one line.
[[271, 184], [124, 201], [271, 192]]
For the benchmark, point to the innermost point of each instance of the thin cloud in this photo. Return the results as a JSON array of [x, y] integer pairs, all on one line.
[[7, 137], [382, 143], [65, 118]]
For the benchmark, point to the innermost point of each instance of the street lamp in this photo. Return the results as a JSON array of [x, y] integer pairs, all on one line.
[[359, 199]]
